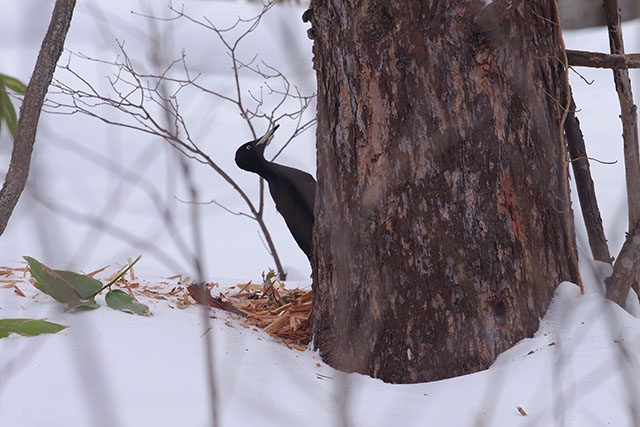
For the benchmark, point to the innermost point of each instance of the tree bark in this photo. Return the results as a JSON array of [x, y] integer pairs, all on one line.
[[37, 88], [439, 234]]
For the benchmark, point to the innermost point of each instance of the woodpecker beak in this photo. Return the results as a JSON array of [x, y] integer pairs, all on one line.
[[266, 139]]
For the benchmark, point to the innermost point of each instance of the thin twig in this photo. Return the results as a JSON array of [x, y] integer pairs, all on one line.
[[584, 79], [603, 162]]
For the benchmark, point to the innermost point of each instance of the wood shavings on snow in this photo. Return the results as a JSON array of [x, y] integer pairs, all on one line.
[[10, 278], [282, 313]]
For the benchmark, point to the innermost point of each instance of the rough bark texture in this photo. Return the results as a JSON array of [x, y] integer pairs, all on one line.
[[439, 238], [50, 52], [585, 187]]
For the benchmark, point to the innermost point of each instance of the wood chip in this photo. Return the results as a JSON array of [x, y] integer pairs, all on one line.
[[280, 312], [94, 272]]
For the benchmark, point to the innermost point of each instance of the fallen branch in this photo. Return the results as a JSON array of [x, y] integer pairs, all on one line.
[[625, 273], [585, 187], [579, 58], [625, 269], [628, 114]]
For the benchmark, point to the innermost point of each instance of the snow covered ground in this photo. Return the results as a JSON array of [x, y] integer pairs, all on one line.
[[113, 369]]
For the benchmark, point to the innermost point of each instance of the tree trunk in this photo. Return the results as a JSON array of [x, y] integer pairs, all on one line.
[[439, 235]]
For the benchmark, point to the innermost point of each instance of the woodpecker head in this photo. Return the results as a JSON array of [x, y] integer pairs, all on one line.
[[251, 154]]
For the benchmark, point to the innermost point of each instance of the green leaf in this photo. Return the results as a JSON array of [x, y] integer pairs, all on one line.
[[14, 84], [28, 327], [47, 281], [87, 287], [76, 290], [122, 301], [8, 111]]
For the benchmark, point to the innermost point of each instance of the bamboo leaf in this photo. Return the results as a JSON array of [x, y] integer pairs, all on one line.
[[28, 327], [122, 301], [76, 290], [87, 287], [14, 84], [7, 111], [45, 280]]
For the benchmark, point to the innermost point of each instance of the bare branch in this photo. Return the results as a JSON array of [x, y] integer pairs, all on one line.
[[233, 212], [149, 102]]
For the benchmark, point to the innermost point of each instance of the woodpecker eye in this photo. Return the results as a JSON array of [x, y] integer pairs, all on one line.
[[248, 147]]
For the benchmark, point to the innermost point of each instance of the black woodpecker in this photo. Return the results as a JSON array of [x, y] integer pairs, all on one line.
[[292, 190]]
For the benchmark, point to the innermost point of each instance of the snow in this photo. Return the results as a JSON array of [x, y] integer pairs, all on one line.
[[110, 368], [113, 369]]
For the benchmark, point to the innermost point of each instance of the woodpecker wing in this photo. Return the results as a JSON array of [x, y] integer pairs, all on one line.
[[293, 192], [300, 183]]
